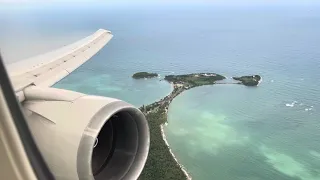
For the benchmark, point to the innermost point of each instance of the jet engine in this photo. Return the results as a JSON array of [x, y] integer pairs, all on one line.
[[87, 137]]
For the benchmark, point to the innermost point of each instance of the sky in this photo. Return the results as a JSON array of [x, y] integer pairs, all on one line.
[[223, 2], [10, 10]]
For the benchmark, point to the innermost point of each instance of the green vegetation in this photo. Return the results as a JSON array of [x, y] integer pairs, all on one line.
[[196, 79], [160, 165], [140, 75], [249, 80]]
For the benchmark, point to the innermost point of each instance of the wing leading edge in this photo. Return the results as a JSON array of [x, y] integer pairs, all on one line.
[[45, 70]]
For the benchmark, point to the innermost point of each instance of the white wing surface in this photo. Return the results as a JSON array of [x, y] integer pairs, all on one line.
[[47, 69]]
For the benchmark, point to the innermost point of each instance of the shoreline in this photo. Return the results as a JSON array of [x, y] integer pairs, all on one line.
[[183, 169], [163, 135], [160, 108], [171, 90], [164, 138], [157, 116]]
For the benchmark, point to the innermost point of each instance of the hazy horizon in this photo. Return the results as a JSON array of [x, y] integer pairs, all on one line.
[[230, 132], [28, 14], [133, 4]]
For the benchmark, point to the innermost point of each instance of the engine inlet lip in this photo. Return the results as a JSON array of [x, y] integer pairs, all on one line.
[[88, 139]]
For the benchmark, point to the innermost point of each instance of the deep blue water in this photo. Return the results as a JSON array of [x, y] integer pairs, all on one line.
[[224, 132]]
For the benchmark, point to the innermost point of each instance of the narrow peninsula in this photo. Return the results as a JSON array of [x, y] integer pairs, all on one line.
[[141, 75], [161, 163]]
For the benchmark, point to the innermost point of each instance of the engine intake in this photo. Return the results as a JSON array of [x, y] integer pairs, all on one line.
[[87, 137]]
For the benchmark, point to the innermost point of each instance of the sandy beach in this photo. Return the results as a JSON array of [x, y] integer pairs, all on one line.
[[174, 157]]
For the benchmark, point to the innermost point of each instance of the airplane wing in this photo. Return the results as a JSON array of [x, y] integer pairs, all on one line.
[[80, 136], [47, 69]]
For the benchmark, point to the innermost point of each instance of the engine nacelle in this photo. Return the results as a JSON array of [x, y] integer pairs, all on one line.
[[87, 137]]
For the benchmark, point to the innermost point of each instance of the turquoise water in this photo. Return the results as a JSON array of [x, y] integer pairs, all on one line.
[[224, 132], [234, 132]]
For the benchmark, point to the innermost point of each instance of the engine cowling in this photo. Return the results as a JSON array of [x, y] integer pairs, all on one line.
[[87, 137]]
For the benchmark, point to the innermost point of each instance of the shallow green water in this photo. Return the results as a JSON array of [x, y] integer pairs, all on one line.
[[230, 132]]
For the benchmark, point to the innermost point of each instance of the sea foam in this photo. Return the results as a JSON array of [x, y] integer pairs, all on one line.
[[291, 104]]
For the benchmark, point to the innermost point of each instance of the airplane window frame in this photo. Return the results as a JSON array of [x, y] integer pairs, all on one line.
[[36, 160]]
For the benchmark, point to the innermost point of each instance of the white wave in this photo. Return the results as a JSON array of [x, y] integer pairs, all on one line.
[[272, 80], [291, 104], [260, 81]]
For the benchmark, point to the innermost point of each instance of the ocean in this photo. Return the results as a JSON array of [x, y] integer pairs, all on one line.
[[219, 132]]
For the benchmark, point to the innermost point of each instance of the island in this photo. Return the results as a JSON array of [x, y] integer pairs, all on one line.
[[140, 75], [249, 80], [161, 163]]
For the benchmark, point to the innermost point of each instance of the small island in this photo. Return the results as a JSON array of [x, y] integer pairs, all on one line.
[[249, 80], [140, 75], [193, 80], [161, 163]]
